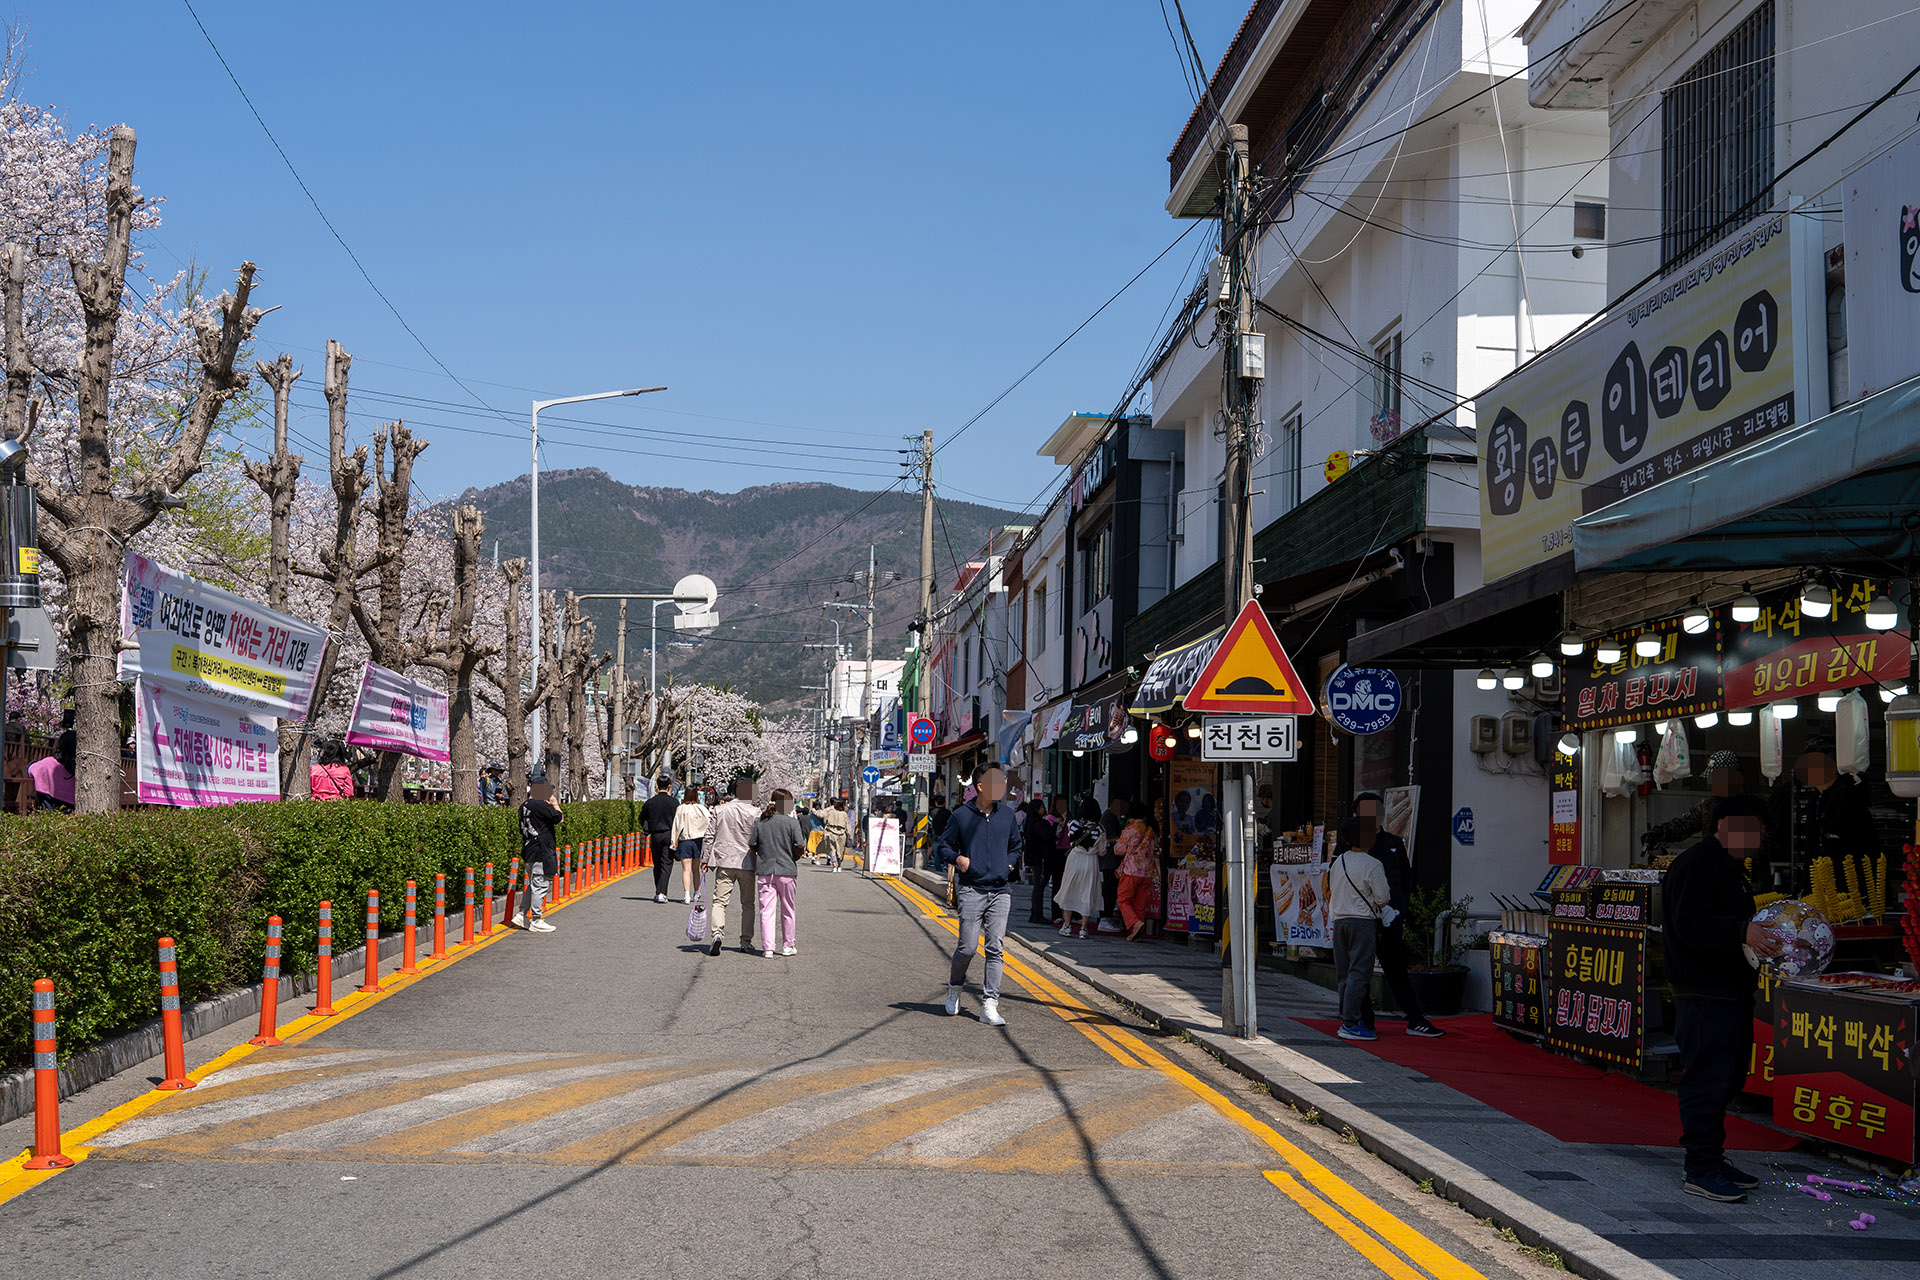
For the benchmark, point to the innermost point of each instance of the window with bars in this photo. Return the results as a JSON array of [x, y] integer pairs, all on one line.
[[1716, 149]]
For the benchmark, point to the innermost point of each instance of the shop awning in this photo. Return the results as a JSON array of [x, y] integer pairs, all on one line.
[[1498, 624], [1839, 490], [1173, 673]]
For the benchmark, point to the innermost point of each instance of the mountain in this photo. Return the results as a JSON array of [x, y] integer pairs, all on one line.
[[776, 551]]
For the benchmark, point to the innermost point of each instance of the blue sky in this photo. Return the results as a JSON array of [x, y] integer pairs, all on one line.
[[822, 225]]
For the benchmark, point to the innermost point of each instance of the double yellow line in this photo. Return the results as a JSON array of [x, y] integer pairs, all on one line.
[[1380, 1237], [14, 1179]]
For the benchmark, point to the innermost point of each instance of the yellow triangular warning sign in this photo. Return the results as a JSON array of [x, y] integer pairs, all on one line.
[[1250, 673]]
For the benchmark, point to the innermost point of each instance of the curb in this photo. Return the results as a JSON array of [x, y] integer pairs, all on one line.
[[117, 1053], [1584, 1251]]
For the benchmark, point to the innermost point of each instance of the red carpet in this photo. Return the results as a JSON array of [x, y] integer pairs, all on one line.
[[1566, 1099]]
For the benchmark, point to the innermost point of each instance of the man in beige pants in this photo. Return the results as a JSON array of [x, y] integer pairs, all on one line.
[[727, 858]]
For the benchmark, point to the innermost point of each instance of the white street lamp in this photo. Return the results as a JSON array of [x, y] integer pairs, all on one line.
[[538, 405]]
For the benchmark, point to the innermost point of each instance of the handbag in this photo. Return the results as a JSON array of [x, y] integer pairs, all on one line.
[[697, 916]]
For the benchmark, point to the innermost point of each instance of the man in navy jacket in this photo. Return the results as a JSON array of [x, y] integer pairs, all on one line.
[[983, 838]]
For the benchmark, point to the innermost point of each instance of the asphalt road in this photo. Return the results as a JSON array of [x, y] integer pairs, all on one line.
[[607, 1100]]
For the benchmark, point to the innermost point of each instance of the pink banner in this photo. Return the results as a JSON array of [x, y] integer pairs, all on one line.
[[191, 752], [394, 713]]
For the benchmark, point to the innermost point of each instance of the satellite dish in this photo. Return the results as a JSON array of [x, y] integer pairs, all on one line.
[[695, 593]]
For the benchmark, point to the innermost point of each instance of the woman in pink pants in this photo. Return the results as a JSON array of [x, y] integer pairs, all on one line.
[[777, 843]]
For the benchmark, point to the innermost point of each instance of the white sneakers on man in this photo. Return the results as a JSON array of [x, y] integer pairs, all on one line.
[[540, 926], [953, 1001], [519, 920], [990, 1013]]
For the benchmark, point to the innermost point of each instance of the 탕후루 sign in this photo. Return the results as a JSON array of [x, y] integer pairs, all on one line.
[[1843, 1067], [1696, 367], [395, 713], [1785, 654], [190, 752], [211, 644], [1598, 981], [1682, 679]]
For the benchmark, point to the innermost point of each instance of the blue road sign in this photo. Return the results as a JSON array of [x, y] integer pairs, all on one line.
[[869, 775]]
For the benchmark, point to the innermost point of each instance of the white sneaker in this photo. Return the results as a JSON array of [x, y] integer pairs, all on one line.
[[686, 899], [789, 950], [659, 897], [519, 920], [953, 1001], [540, 926], [990, 1013], [767, 954]]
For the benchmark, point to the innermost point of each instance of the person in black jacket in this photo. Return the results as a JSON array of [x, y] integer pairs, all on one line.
[[985, 841], [1391, 945], [1036, 833], [656, 815], [1709, 912]]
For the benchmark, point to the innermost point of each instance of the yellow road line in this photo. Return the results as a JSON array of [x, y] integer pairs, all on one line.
[[14, 1179], [1436, 1261]]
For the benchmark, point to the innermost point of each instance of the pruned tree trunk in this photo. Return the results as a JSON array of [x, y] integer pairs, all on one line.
[[553, 701], [514, 705], [392, 503], [339, 566], [459, 653], [13, 267], [91, 524], [277, 478]]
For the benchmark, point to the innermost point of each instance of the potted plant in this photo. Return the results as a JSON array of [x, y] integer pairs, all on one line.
[[1439, 979]]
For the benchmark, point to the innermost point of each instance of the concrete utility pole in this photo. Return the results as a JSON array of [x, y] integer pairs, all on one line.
[[1244, 370], [617, 739], [922, 691], [866, 691]]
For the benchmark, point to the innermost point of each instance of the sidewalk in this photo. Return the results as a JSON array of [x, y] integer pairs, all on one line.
[[1613, 1212]]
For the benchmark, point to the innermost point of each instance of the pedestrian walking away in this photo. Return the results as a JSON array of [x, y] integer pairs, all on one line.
[[657, 816], [1357, 894], [777, 840], [1138, 848], [1390, 942], [1708, 905], [835, 824], [1079, 893], [539, 820], [727, 858], [1036, 835], [690, 823], [983, 838]]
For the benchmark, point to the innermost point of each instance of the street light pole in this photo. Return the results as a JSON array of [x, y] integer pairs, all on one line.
[[693, 595], [538, 405]]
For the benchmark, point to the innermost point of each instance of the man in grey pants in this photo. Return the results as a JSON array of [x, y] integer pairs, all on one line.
[[984, 841], [1357, 889]]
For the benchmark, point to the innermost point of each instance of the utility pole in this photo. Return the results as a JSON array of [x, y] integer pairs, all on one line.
[[922, 694], [866, 693], [1244, 367], [617, 739]]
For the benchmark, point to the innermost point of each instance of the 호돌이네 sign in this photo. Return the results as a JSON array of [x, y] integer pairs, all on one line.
[[1598, 981], [1698, 366]]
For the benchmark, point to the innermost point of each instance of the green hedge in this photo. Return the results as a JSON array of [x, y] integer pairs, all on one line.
[[83, 898]]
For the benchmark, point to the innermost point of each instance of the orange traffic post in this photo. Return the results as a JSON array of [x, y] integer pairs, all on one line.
[[46, 1082], [513, 888], [440, 916], [270, 988], [486, 902], [372, 984], [407, 933], [323, 968], [173, 1044], [466, 922]]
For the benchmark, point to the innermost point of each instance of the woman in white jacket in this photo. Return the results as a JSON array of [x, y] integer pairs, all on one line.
[[690, 823]]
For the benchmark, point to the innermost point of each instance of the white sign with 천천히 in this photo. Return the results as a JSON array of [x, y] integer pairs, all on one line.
[[1231, 738]]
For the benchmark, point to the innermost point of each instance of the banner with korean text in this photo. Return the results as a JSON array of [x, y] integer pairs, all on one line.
[[393, 713], [1700, 365], [191, 752], [210, 644]]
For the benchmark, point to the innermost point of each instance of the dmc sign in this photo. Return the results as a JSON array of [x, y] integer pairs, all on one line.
[[1363, 700]]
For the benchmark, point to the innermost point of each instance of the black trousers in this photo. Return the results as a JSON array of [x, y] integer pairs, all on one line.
[[663, 862], [1392, 953], [1716, 1043]]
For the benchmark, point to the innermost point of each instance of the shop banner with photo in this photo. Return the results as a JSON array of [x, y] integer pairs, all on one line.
[[1193, 807], [394, 713], [210, 644], [1096, 725], [1300, 904], [1682, 679], [1172, 673], [1784, 654], [1700, 365], [1880, 212], [191, 752]]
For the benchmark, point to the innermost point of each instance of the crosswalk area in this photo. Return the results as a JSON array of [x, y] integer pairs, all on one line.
[[450, 1107]]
